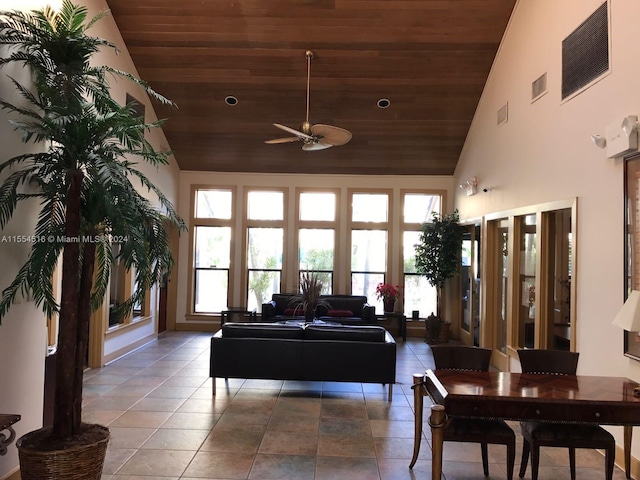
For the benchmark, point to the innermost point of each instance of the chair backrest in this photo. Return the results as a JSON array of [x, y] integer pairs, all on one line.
[[461, 357], [548, 361]]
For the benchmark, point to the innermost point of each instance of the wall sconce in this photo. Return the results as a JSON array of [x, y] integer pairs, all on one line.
[[471, 186], [599, 141]]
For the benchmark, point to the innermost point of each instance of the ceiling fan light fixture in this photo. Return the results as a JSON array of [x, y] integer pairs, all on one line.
[[314, 137], [384, 103]]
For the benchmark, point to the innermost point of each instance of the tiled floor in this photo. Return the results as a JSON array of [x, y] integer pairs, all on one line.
[[166, 425]]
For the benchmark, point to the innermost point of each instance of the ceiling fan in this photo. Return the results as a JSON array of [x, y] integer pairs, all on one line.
[[314, 137]]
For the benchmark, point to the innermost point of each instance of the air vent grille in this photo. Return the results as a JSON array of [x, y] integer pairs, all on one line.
[[539, 87], [585, 52], [503, 114]]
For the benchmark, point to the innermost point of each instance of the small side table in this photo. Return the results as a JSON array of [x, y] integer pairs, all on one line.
[[6, 423], [238, 314], [402, 321]]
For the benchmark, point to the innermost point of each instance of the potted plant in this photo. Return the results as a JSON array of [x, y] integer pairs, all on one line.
[[438, 259], [82, 179], [388, 294], [308, 297]]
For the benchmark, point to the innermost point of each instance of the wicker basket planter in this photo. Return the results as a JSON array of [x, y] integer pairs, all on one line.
[[80, 462]]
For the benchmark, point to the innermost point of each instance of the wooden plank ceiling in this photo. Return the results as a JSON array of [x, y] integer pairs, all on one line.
[[430, 58]]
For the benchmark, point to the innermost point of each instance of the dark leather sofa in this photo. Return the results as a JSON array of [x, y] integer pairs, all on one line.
[[344, 309], [313, 352]]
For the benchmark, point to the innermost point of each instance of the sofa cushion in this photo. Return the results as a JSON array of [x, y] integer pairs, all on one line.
[[346, 333], [340, 313], [262, 330]]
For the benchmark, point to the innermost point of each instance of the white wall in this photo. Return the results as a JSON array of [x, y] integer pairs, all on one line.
[[290, 181], [544, 153], [23, 341]]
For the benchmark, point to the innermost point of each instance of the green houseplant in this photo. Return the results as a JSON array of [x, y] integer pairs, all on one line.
[[438, 259], [82, 180]]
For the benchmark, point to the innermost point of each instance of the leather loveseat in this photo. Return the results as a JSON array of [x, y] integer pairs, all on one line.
[[344, 309], [313, 352]]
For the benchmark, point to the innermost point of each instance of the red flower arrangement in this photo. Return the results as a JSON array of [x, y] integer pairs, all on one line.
[[387, 291]]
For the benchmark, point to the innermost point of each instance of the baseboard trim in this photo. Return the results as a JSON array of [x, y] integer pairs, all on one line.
[[129, 348], [14, 475], [635, 463]]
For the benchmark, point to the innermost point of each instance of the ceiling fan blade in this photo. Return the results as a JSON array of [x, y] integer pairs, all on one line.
[[331, 135], [294, 132], [309, 147], [283, 140]]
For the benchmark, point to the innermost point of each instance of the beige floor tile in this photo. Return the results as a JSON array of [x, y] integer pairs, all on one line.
[[283, 467], [157, 462], [116, 457], [346, 446], [129, 437], [176, 439], [297, 407], [197, 421], [295, 424], [344, 426], [347, 468], [151, 404], [236, 439], [229, 418], [217, 465], [172, 392], [388, 428], [390, 447], [343, 410], [289, 443], [141, 419], [103, 417]]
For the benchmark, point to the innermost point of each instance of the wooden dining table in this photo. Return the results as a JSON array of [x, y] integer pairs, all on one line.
[[522, 396]]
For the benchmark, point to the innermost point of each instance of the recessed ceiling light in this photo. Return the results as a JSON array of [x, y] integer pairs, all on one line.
[[384, 103], [231, 100]]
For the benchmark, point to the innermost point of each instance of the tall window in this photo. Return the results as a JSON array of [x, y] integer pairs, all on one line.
[[212, 250], [369, 243], [316, 235], [418, 294], [265, 245]]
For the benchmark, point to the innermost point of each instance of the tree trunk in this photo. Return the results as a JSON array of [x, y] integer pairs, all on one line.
[[66, 416], [84, 317]]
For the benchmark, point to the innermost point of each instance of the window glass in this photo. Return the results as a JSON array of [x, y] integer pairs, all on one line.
[[316, 249], [527, 286], [212, 261], [318, 206], [417, 293], [212, 247], [213, 204], [265, 205], [264, 262], [369, 250], [419, 207], [370, 207]]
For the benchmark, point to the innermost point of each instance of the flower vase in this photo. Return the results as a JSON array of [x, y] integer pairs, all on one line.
[[389, 305]]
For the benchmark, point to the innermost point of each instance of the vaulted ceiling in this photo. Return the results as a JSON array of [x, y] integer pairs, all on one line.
[[429, 58]]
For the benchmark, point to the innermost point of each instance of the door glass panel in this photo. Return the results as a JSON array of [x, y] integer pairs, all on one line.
[[502, 277], [527, 284], [559, 285]]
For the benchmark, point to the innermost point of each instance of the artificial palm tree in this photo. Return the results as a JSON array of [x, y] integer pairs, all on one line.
[[83, 181]]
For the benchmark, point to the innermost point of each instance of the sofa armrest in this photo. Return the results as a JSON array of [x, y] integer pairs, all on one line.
[[369, 313], [268, 311]]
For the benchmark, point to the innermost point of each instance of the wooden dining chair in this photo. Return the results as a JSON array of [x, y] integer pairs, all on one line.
[[474, 430], [547, 434]]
